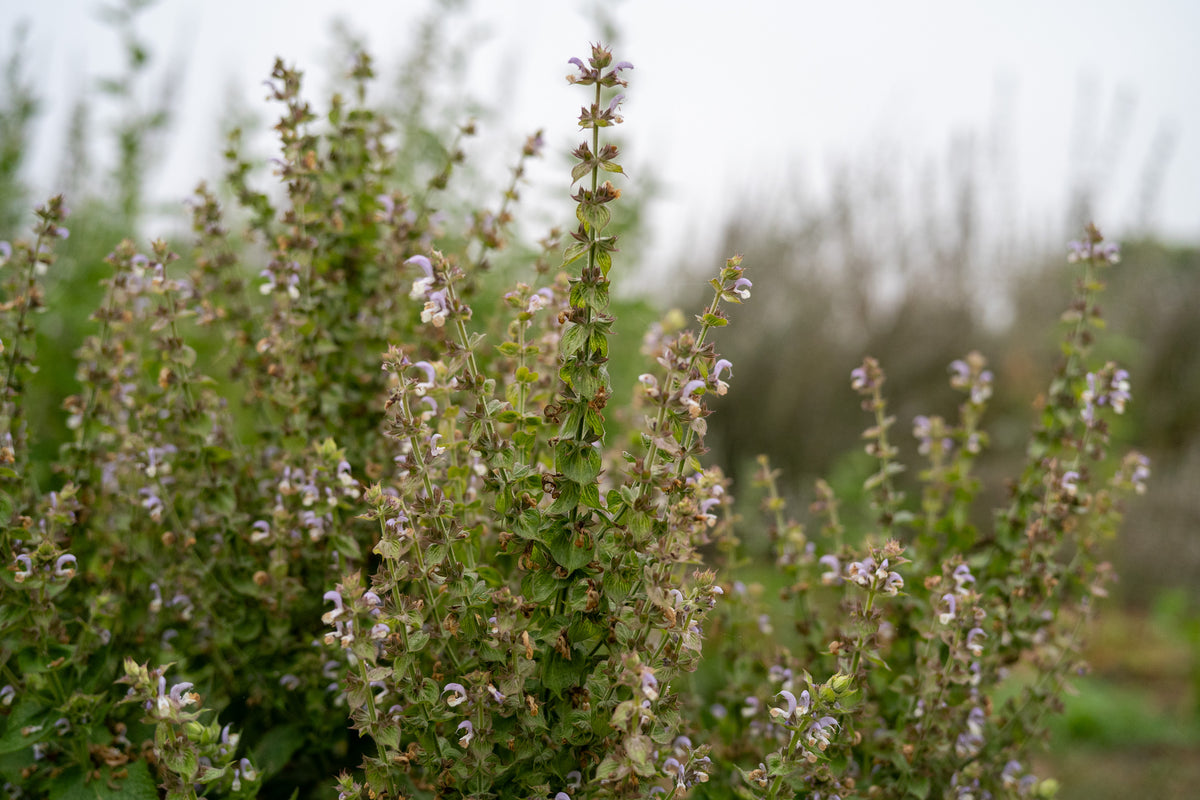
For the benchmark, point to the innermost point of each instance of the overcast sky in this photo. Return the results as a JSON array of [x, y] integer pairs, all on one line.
[[759, 92]]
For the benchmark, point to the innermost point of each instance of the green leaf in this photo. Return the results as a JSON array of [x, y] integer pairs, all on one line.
[[574, 253], [527, 525], [569, 549], [918, 786], [24, 715], [610, 769], [559, 674], [387, 736], [183, 763], [596, 217], [417, 640], [388, 548], [538, 587], [138, 784], [510, 349], [568, 498], [574, 339], [581, 169], [603, 261], [578, 461], [276, 748]]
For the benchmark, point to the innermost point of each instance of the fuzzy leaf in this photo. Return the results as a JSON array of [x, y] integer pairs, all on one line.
[[596, 217], [559, 674], [574, 253], [581, 169], [137, 784], [538, 587], [578, 461], [510, 349], [570, 550]]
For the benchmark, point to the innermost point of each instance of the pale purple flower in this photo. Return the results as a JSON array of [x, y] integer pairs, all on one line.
[[975, 647], [786, 712], [60, 566], [423, 263], [435, 310], [496, 694], [262, 531], [962, 576], [861, 572], [179, 696], [458, 694], [820, 732], [539, 300], [833, 575], [981, 389], [1141, 472], [892, 583], [1069, 482], [922, 430], [25, 561], [1077, 251], [157, 603], [947, 616], [741, 287], [244, 769], [649, 684], [961, 377], [469, 734], [722, 365], [335, 597], [686, 397], [387, 206], [152, 503]]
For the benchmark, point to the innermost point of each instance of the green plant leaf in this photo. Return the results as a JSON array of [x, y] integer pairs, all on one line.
[[137, 784]]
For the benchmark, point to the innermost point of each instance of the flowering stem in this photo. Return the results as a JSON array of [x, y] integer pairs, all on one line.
[[427, 483], [793, 743], [27, 302], [668, 388]]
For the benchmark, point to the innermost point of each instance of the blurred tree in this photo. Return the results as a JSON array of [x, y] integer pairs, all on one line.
[[18, 109]]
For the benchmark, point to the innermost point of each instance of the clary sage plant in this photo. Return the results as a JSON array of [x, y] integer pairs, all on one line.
[[336, 519]]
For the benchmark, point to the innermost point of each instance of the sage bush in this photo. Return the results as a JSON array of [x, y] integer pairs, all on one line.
[[338, 519]]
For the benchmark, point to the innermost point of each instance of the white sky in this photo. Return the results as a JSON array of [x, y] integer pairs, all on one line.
[[725, 97]]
